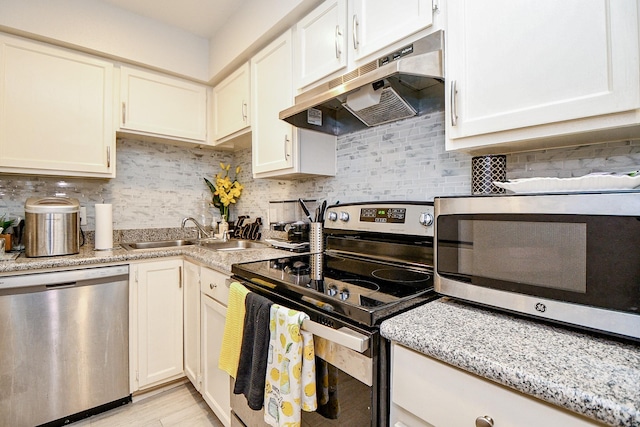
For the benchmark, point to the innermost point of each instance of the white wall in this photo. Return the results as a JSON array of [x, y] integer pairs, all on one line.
[[100, 28]]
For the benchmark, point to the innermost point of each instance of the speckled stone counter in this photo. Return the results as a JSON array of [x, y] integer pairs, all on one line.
[[219, 260], [587, 374]]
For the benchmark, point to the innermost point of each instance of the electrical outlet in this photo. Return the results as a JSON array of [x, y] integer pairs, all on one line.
[[83, 215]]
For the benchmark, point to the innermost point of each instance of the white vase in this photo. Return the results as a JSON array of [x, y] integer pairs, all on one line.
[[222, 228]]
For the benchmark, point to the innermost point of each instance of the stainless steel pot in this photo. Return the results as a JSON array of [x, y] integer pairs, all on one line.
[[52, 226]]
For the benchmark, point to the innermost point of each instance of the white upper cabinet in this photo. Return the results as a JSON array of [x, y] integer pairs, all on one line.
[[231, 105], [279, 149], [164, 106], [343, 34], [518, 72], [376, 24], [56, 111], [321, 42]]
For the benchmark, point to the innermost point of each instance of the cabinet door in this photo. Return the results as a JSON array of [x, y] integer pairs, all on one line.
[[279, 149], [445, 396], [512, 65], [272, 92], [320, 42], [231, 108], [216, 385], [162, 105], [379, 23], [56, 111], [191, 280], [160, 321]]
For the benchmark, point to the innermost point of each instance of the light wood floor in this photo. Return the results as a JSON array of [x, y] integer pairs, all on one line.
[[181, 406]]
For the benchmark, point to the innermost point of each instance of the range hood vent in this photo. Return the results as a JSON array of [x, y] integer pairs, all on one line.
[[401, 84]]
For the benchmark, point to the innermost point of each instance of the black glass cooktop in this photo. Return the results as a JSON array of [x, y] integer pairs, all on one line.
[[361, 289]]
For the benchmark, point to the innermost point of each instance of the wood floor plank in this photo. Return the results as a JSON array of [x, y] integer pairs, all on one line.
[[181, 406]]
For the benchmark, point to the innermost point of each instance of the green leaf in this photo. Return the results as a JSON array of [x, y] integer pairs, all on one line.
[[210, 185]]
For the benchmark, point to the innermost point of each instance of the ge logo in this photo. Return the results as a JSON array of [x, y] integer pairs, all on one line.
[[541, 307]]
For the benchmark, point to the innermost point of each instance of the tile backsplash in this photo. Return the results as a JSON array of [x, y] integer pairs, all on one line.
[[157, 184]]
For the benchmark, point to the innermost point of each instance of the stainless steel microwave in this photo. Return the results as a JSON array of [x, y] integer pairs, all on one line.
[[569, 258]]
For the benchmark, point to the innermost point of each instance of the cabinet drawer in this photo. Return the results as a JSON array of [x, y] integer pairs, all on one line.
[[215, 285], [445, 396]]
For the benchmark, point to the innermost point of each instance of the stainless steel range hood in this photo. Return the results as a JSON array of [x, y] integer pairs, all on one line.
[[404, 83]]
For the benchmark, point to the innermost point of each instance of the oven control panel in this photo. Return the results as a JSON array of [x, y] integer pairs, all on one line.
[[382, 217]]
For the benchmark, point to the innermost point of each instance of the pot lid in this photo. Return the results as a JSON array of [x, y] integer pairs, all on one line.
[[51, 205]]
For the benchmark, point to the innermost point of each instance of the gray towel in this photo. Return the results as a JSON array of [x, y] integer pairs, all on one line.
[[252, 366]]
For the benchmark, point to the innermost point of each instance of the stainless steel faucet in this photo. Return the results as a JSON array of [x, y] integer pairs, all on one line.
[[199, 227]]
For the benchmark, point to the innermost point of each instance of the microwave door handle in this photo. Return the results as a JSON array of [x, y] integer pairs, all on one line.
[[343, 336]]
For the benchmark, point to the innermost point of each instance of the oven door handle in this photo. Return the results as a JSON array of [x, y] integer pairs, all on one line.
[[343, 336]]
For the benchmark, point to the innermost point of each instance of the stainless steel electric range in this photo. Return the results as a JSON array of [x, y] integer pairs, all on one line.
[[377, 262]]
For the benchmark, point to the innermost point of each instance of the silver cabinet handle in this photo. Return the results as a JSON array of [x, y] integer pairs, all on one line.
[[484, 421], [180, 277], [454, 106], [124, 113], [338, 44], [211, 286], [244, 111], [355, 32], [108, 156], [286, 140]]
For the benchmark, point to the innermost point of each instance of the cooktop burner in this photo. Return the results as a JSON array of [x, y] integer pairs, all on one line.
[[352, 286], [377, 261]]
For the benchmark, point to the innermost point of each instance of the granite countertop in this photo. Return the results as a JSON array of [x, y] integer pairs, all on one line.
[[219, 260], [588, 374]]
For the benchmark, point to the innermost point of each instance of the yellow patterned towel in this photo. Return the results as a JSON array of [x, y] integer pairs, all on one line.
[[233, 326], [291, 379]]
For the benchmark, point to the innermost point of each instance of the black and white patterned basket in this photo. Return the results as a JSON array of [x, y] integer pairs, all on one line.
[[485, 170]]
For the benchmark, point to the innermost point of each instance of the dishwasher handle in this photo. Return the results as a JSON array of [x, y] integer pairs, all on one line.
[[52, 279], [61, 285]]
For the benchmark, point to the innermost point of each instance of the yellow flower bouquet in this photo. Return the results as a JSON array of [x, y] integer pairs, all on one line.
[[225, 191]]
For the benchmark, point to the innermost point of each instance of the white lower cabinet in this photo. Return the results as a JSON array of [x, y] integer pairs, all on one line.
[[191, 281], [429, 393], [156, 323], [216, 383]]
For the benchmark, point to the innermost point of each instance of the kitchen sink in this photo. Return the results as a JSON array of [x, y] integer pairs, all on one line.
[[157, 244], [231, 245]]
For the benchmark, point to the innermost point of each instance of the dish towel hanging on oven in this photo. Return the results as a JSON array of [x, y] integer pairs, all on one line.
[[233, 326], [291, 379], [252, 364], [327, 390]]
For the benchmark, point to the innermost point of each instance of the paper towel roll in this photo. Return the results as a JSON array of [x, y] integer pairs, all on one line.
[[104, 226]]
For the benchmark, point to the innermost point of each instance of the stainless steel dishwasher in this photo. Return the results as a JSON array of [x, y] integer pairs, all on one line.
[[64, 345]]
